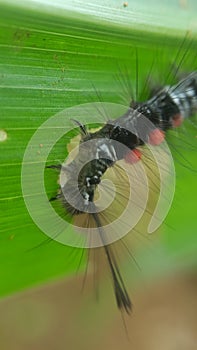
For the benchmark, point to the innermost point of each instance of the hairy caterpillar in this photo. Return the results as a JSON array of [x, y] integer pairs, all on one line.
[[121, 139]]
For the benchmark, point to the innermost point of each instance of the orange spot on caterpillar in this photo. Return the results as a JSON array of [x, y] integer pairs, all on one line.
[[133, 156], [177, 120], [156, 137]]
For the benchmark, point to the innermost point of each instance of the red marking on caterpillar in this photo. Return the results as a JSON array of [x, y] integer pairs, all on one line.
[[177, 120], [156, 137], [133, 156]]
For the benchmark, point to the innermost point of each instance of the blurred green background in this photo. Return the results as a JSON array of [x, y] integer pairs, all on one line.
[[59, 55]]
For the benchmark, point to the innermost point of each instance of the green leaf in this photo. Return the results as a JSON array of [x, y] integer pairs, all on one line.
[[53, 58]]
